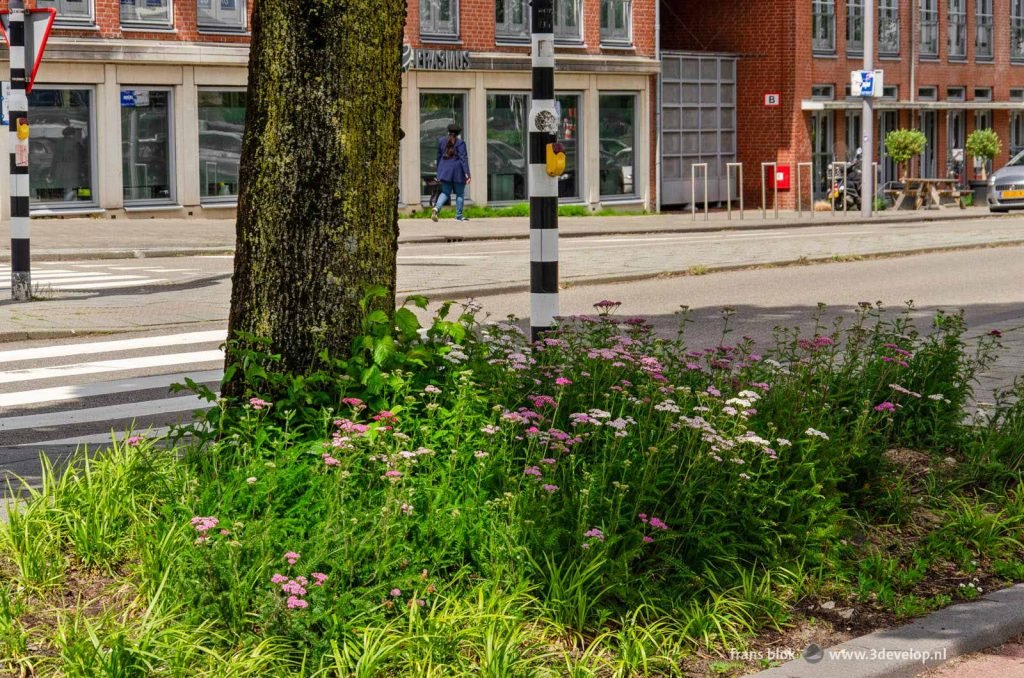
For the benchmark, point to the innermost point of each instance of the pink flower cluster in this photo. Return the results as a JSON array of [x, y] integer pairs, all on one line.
[[354, 403], [885, 407], [258, 403], [133, 441], [296, 588], [202, 525]]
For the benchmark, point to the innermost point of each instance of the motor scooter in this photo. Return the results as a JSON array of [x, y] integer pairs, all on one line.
[[850, 189]]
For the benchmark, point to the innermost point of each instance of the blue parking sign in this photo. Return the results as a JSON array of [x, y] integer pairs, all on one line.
[[128, 98]]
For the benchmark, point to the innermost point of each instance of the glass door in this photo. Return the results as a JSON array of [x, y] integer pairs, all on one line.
[[147, 162]]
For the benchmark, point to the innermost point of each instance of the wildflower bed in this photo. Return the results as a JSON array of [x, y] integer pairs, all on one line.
[[452, 500]]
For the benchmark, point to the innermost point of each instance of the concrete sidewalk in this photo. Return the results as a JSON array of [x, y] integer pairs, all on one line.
[[85, 238]]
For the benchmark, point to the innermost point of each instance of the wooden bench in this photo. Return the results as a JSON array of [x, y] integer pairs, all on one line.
[[927, 192]]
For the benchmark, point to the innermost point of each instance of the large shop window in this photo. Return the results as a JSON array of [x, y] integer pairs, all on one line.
[[61, 152], [616, 22], [69, 11], [439, 19], [1017, 31], [437, 111], [889, 27], [512, 20], [146, 160], [507, 144], [855, 26], [929, 17], [824, 26], [147, 13], [221, 124], [568, 20], [617, 144], [221, 15], [983, 30], [957, 37]]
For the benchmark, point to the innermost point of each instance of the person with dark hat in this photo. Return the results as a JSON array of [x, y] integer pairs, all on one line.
[[452, 171]]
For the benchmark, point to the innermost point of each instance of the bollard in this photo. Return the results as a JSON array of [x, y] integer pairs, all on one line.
[[738, 166], [800, 184], [764, 189], [693, 190]]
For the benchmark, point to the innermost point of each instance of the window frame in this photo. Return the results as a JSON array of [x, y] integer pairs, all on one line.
[[956, 30], [62, 19], [929, 29], [562, 34], [433, 29], [503, 32], [172, 156], [94, 176], [855, 25], [138, 25], [984, 24], [616, 37], [243, 27], [823, 27], [1017, 31], [826, 92], [889, 14]]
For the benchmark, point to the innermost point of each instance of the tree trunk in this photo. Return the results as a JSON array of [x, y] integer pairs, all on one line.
[[318, 202]]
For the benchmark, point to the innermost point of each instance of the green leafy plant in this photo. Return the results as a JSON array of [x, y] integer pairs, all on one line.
[[904, 144], [984, 145]]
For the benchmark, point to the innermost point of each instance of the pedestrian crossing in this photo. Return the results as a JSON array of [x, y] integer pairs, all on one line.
[[80, 392], [85, 277]]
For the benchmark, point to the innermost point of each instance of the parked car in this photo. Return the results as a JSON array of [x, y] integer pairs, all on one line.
[[1006, 186]]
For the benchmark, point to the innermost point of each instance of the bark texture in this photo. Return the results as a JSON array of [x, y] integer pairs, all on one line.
[[317, 209]]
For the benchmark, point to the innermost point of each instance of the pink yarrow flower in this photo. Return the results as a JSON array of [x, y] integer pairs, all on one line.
[[258, 403], [292, 557], [296, 602], [594, 533], [318, 578], [134, 441], [885, 407], [395, 593]]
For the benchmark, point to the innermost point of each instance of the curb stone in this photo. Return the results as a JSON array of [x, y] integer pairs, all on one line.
[[957, 630]]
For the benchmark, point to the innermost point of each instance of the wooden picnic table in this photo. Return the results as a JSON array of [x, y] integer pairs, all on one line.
[[929, 192]]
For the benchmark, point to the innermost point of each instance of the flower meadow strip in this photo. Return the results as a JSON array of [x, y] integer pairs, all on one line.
[[456, 482]]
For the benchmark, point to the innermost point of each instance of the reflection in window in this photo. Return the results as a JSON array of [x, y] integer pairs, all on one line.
[[1017, 30], [146, 145], [507, 144], [226, 15], [512, 19], [69, 11], [889, 27], [568, 24], [957, 18], [929, 17], [617, 127], [569, 136], [437, 111], [823, 17], [855, 26], [983, 32], [221, 123], [439, 19], [61, 150], [156, 12], [616, 19]]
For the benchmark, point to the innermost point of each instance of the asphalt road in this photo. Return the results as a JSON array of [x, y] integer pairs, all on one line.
[[57, 393]]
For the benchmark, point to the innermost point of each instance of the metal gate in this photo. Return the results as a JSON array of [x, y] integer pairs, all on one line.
[[698, 123]]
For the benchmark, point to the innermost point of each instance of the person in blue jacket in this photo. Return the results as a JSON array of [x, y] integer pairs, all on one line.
[[452, 171]]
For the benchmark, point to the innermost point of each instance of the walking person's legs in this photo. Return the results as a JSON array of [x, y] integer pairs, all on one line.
[[442, 199], [460, 200]]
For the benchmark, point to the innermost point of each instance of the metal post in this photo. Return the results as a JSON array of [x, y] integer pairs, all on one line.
[[867, 117], [693, 189], [21, 269], [728, 185], [764, 189], [846, 181], [800, 186], [543, 128]]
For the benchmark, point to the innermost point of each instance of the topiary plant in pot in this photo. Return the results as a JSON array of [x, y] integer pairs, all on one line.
[[904, 144], [983, 145]]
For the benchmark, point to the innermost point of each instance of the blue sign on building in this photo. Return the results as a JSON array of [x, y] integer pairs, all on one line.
[[128, 98]]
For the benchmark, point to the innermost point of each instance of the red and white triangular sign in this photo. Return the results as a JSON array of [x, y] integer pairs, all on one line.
[[38, 23]]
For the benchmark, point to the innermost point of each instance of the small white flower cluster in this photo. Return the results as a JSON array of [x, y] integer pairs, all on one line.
[[815, 432], [667, 406]]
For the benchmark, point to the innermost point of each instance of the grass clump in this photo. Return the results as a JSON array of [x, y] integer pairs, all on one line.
[[523, 210], [452, 500]]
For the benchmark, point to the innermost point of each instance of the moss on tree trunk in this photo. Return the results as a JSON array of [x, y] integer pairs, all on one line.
[[317, 209]]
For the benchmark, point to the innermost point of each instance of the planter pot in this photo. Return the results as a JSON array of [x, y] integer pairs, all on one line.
[[980, 190]]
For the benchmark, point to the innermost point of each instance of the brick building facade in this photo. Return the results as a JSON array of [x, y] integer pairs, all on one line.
[[138, 107], [950, 66]]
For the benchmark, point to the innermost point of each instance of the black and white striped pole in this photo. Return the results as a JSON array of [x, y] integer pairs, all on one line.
[[543, 182], [21, 270]]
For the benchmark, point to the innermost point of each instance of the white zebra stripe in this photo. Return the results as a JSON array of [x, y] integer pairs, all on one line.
[[543, 309], [543, 244]]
